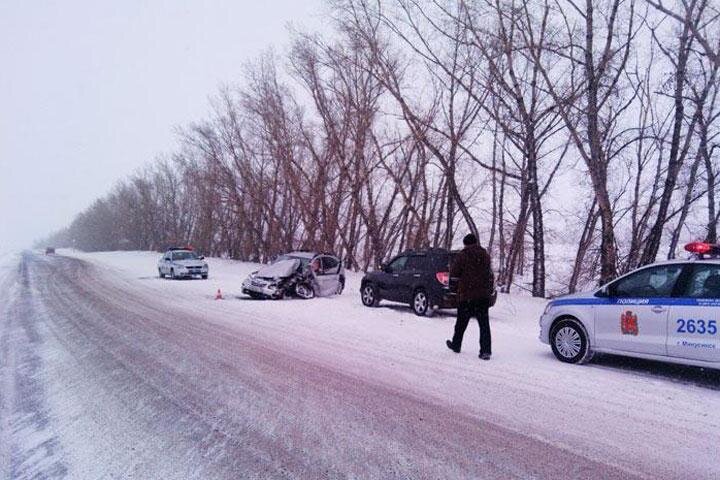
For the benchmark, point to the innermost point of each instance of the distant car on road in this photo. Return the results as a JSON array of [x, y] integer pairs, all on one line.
[[182, 262], [302, 274], [420, 279], [666, 311], [49, 250]]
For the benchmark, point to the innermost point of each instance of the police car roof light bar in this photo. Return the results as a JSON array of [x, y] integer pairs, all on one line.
[[703, 248]]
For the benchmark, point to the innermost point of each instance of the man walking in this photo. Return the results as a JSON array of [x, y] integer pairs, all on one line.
[[473, 272]]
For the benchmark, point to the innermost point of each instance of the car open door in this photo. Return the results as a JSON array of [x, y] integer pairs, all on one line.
[[327, 277], [693, 321]]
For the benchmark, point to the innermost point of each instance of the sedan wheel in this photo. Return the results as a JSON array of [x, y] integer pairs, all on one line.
[[305, 291], [569, 342], [420, 303]]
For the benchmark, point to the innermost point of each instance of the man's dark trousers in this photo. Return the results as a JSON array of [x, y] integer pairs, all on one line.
[[479, 310]]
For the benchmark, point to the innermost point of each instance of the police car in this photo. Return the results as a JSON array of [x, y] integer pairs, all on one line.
[[182, 262], [667, 311]]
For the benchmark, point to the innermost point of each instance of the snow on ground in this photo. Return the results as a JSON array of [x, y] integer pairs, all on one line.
[[8, 263], [641, 416]]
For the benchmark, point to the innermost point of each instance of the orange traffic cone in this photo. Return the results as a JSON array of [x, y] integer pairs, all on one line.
[[218, 295]]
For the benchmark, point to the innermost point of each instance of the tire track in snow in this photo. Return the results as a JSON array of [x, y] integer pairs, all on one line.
[[171, 395], [31, 447]]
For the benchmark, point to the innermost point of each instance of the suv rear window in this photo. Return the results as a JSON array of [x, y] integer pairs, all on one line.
[[416, 262], [443, 261]]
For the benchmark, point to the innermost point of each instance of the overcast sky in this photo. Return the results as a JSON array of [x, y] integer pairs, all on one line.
[[91, 90]]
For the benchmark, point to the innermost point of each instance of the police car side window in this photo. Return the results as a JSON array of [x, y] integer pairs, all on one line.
[[704, 282], [649, 282]]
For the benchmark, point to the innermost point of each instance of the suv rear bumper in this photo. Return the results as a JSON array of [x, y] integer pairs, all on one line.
[[444, 299]]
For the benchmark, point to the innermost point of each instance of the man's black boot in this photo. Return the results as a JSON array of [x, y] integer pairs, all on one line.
[[484, 356], [451, 346]]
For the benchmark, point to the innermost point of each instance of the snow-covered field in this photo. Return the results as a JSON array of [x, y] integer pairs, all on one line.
[[644, 417]]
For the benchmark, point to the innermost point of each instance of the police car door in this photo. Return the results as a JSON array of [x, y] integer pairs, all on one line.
[[634, 318], [693, 322]]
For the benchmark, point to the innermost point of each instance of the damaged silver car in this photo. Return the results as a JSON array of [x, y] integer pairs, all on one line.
[[297, 274]]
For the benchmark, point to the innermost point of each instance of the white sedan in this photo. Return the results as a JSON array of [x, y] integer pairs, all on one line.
[[182, 263], [667, 311]]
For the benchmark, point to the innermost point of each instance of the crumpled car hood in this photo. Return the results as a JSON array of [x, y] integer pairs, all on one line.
[[281, 269]]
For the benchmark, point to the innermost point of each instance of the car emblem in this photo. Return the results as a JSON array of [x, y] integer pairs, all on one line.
[[629, 323]]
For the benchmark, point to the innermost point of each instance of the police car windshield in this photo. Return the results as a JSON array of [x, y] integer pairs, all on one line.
[[184, 256]]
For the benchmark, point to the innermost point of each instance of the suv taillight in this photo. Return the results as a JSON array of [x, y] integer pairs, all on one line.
[[443, 277]]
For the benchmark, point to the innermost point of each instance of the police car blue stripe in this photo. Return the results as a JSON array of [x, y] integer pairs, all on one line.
[[693, 302]]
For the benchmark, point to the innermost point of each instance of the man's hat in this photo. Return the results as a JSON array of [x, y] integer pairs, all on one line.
[[470, 239]]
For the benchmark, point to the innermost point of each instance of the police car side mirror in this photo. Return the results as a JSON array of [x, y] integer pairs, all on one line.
[[603, 292], [201, 257]]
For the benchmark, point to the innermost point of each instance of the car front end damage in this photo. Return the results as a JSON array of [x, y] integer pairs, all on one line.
[[264, 287]]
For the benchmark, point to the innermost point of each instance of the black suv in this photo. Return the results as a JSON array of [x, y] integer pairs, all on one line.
[[420, 279]]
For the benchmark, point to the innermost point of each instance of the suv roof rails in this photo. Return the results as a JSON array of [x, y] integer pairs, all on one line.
[[427, 250]]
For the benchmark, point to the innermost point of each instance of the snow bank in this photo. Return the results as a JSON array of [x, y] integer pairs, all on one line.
[[642, 416]]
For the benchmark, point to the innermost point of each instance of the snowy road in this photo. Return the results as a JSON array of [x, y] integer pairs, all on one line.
[[108, 372]]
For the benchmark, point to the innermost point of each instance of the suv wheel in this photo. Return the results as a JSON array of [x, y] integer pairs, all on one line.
[[340, 287], [160, 274], [172, 273], [420, 303], [569, 342], [369, 296]]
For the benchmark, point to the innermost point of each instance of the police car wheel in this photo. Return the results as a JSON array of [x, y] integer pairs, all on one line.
[[569, 342]]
